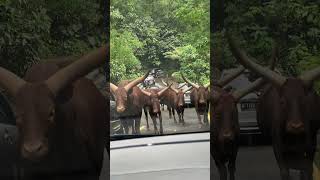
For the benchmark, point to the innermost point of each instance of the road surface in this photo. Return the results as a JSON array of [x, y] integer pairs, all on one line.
[[255, 162], [169, 127]]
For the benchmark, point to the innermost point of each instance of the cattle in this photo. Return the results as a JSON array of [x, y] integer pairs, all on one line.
[[225, 130], [169, 102], [199, 97], [168, 98], [225, 127], [129, 103], [178, 98], [199, 94], [60, 118], [152, 101], [289, 110]]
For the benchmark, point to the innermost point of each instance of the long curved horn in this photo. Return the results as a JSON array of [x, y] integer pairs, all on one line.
[[146, 92], [61, 61], [77, 69], [238, 94], [309, 76], [11, 82], [174, 89], [164, 82], [113, 87], [184, 91], [245, 61], [231, 76], [189, 82], [136, 81], [182, 85], [160, 93]]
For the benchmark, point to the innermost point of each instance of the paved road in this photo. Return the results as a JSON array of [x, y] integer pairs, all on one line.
[[169, 127], [255, 162]]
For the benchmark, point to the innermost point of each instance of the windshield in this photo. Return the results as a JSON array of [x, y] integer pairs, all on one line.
[[154, 43]]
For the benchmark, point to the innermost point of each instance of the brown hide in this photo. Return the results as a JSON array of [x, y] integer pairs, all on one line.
[[77, 116], [285, 110], [129, 106]]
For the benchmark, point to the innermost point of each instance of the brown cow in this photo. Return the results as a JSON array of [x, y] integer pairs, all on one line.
[[169, 102], [290, 113], [200, 98], [225, 130], [60, 118], [129, 103], [152, 101], [178, 105]]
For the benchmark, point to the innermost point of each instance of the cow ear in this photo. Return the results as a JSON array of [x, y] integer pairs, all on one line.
[[130, 91], [65, 94]]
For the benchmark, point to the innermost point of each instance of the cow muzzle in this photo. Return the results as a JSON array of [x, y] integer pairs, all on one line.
[[121, 109], [295, 128], [228, 136], [34, 151]]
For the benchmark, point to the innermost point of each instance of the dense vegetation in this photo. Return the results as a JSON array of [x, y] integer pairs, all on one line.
[[294, 25], [165, 34], [32, 30]]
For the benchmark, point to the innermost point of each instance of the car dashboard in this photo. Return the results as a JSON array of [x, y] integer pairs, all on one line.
[[174, 157]]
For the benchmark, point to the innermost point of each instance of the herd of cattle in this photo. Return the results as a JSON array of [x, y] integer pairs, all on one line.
[[61, 117], [132, 100]]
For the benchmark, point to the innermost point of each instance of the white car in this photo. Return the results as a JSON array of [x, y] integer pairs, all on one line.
[[174, 157]]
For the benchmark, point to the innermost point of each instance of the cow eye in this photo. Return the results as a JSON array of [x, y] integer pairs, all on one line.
[[51, 115]]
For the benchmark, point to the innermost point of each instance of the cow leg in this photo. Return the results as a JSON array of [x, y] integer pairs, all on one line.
[[169, 109], [173, 114], [146, 115], [160, 121], [232, 163], [179, 116], [182, 116], [222, 170], [154, 120], [232, 169], [205, 118], [125, 125], [137, 124], [199, 120]]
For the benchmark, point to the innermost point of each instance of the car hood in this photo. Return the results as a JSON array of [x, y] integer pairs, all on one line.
[[173, 157]]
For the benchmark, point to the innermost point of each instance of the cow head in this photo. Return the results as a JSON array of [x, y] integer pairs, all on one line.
[[179, 101], [201, 91], [123, 91], [155, 98], [292, 92], [225, 113], [36, 102]]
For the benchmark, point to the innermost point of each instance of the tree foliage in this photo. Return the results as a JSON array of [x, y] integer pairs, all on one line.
[[172, 35], [293, 25], [32, 30]]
